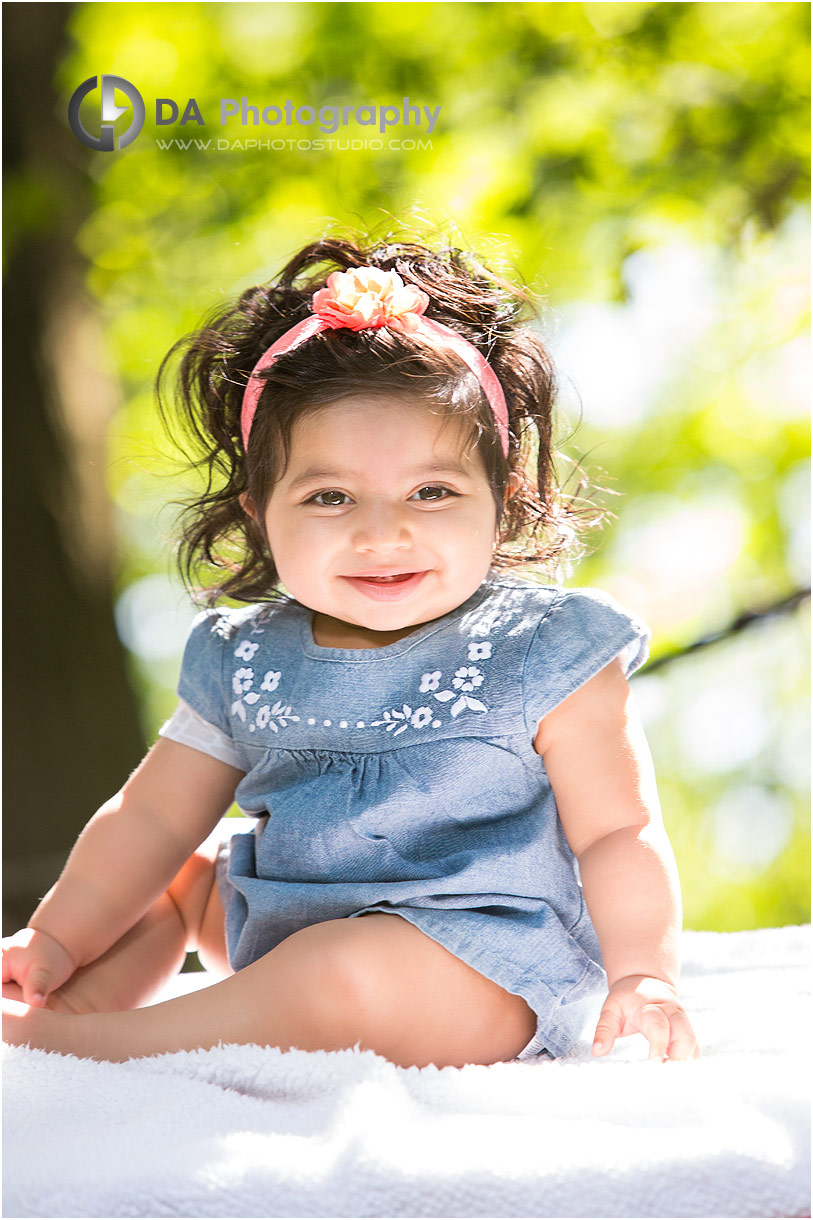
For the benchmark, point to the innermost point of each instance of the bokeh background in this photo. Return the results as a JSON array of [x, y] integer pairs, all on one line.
[[643, 167]]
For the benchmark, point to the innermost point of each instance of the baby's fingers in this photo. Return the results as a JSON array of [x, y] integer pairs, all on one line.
[[669, 1033], [37, 986], [37, 962], [683, 1044], [13, 960], [607, 1030], [654, 1025], [13, 963]]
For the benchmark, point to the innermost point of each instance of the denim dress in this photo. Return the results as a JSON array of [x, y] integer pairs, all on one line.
[[403, 779]]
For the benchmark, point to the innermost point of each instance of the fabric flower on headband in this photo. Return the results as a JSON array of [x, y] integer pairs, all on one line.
[[363, 299], [367, 298]]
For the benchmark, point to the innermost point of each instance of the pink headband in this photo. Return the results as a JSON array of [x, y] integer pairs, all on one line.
[[363, 298]]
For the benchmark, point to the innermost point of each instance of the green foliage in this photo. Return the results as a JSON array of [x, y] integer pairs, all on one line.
[[595, 150]]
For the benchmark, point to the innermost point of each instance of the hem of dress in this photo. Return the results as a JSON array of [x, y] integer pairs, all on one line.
[[226, 829], [535, 1049], [549, 1040]]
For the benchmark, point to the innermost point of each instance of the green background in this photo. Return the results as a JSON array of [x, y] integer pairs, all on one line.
[[643, 167]]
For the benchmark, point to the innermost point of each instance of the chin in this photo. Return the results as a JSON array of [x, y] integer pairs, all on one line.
[[392, 618]]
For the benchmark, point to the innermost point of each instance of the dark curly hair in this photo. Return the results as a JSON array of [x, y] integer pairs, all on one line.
[[536, 522]]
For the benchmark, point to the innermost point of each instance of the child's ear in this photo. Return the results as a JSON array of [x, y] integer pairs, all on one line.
[[247, 505]]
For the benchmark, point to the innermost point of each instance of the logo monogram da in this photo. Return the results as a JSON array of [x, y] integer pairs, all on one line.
[[105, 141]]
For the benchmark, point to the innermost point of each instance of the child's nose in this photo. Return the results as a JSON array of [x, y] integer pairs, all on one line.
[[382, 528]]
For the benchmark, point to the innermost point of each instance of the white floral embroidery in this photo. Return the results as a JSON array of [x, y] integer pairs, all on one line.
[[396, 721], [468, 677], [466, 701], [266, 717], [391, 720], [276, 717], [242, 680], [459, 696], [223, 628], [484, 623], [461, 703]]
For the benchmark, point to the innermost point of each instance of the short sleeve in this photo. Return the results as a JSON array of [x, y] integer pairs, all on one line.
[[583, 630], [190, 729], [201, 683]]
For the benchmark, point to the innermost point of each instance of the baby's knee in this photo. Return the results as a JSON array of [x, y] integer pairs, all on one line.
[[192, 891], [338, 990]]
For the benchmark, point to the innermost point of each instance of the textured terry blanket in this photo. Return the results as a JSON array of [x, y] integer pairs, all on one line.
[[248, 1131]]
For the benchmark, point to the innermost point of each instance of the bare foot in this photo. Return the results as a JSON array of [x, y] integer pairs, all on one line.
[[58, 1001], [48, 1031]]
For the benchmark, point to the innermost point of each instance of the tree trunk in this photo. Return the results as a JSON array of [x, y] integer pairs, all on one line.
[[71, 725]]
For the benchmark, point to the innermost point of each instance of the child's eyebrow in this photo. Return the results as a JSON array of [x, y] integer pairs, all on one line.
[[312, 473]]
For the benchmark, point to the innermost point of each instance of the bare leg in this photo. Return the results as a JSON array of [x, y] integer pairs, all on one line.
[[188, 916], [377, 981], [133, 970]]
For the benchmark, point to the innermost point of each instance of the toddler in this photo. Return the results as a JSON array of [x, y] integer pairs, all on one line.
[[457, 846]]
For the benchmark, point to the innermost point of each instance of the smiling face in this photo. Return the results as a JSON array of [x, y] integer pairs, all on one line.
[[383, 519]]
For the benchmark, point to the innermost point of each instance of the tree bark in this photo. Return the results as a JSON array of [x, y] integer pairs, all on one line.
[[71, 727]]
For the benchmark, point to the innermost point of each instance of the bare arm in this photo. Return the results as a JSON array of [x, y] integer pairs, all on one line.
[[127, 855], [600, 768]]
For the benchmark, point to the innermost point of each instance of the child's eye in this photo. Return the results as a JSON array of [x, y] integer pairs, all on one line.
[[433, 492], [329, 499]]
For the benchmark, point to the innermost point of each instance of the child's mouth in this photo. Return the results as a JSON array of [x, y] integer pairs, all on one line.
[[386, 585], [388, 580]]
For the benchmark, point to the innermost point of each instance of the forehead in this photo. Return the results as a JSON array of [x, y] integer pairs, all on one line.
[[383, 428]]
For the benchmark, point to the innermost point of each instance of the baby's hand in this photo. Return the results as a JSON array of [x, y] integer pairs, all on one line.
[[37, 963], [638, 1004]]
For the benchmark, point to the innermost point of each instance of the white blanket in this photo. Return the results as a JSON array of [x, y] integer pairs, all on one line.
[[243, 1131]]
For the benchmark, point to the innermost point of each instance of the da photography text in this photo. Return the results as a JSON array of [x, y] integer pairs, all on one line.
[[105, 134], [327, 118]]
